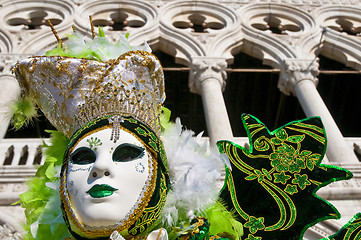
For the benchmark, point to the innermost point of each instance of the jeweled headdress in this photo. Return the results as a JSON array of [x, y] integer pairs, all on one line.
[[71, 91]]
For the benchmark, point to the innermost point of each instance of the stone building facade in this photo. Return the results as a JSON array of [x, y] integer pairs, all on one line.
[[288, 37]]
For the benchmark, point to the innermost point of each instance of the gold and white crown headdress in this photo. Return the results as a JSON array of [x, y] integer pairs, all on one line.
[[73, 91]]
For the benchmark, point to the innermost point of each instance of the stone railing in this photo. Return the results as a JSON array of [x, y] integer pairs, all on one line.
[[19, 157]]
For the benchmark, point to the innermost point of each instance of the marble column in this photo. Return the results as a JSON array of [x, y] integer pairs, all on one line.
[[207, 78], [299, 77], [9, 91]]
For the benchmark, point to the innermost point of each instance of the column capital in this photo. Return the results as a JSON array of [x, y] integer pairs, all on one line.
[[293, 71], [204, 68]]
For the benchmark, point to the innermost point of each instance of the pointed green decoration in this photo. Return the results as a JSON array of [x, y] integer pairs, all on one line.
[[23, 110], [101, 32], [56, 51], [272, 186], [165, 118], [351, 231], [99, 48]]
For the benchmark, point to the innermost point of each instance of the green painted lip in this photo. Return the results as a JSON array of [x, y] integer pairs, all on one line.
[[101, 190]]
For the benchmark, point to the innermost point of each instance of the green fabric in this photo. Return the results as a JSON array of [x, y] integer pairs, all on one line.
[[351, 231], [272, 185]]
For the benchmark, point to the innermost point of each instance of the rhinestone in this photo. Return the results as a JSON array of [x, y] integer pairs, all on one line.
[[139, 168]]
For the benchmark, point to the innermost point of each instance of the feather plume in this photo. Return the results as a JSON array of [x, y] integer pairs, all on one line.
[[223, 223], [22, 111], [42, 200], [194, 171], [99, 48]]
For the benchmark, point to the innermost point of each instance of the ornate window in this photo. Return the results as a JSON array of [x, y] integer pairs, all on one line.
[[344, 25], [119, 20], [197, 22], [33, 19], [276, 19], [276, 25]]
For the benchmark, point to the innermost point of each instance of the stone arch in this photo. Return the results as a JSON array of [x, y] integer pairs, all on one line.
[[192, 29], [342, 34], [5, 42], [139, 18], [273, 32], [27, 22]]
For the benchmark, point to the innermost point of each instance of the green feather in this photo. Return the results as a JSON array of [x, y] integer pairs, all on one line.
[[223, 223], [165, 118], [58, 51], [99, 48], [101, 32], [23, 111], [57, 147], [41, 202]]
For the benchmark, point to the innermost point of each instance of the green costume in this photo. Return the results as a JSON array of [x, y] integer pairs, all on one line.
[[269, 188]]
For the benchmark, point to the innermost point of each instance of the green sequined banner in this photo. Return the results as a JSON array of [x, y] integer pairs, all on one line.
[[272, 185], [351, 231]]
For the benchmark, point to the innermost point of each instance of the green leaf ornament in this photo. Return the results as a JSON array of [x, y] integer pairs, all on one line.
[[272, 185]]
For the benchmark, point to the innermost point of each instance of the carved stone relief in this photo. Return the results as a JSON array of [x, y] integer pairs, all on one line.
[[295, 70], [203, 69]]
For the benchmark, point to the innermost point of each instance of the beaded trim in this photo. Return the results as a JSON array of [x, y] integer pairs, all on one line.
[[115, 120]]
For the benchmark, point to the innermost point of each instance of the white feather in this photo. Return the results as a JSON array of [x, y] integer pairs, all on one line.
[[194, 171]]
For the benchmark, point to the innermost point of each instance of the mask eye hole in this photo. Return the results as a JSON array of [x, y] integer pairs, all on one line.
[[83, 156], [127, 152]]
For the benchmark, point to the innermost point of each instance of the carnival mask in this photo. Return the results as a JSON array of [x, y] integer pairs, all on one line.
[[112, 183], [105, 179]]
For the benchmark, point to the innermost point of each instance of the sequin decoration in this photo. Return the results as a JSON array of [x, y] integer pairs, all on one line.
[[115, 120], [351, 231], [280, 172], [71, 92], [139, 167]]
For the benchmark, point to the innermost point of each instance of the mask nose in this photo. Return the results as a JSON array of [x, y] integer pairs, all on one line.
[[102, 167], [95, 174]]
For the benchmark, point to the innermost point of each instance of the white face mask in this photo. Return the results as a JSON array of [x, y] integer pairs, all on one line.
[[105, 179]]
